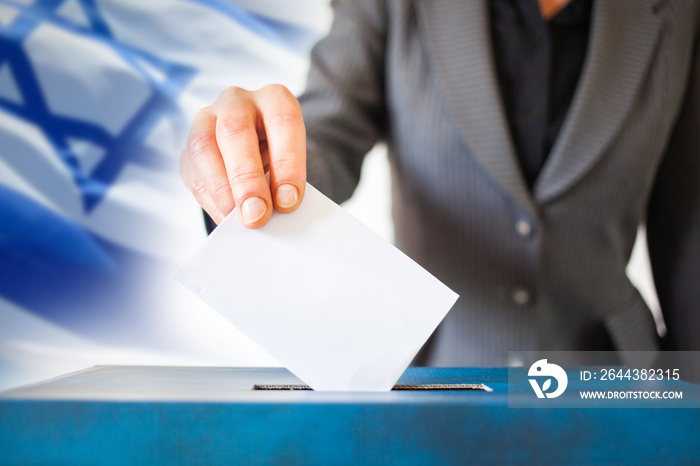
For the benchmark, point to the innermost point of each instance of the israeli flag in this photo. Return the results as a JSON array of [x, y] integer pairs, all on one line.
[[96, 97]]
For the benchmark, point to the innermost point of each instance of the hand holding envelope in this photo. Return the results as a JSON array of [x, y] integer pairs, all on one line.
[[336, 304]]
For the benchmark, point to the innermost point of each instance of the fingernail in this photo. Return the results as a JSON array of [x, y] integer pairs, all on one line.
[[253, 209], [287, 196]]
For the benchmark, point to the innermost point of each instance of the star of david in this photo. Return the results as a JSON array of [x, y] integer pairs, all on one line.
[[128, 147]]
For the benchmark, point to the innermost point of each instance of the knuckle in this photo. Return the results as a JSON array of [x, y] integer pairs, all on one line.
[[220, 190], [199, 144], [199, 190], [233, 92], [285, 161], [203, 112], [230, 126], [275, 89], [243, 174], [287, 118]]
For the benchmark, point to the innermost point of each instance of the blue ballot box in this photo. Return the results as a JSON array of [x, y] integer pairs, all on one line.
[[179, 415]]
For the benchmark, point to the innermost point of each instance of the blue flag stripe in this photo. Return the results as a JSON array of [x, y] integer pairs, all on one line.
[[298, 39], [128, 147], [58, 271]]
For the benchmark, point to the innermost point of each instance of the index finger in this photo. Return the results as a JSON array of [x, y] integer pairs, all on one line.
[[204, 158], [236, 134], [286, 139]]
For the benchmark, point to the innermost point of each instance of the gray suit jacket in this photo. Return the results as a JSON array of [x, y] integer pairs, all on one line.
[[420, 75]]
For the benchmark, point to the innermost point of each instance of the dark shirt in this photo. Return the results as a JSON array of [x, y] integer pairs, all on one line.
[[539, 63]]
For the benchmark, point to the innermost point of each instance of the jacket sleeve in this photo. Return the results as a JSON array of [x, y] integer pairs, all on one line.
[[673, 223], [343, 105]]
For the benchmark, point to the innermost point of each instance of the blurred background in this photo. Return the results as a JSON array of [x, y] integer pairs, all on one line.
[[96, 97]]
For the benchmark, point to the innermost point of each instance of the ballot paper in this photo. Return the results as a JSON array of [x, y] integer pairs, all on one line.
[[331, 300]]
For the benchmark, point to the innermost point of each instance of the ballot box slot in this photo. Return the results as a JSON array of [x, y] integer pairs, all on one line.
[[437, 386]]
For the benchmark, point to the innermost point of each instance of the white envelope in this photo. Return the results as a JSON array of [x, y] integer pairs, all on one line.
[[332, 301]]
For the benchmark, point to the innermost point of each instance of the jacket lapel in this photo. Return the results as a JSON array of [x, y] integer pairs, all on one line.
[[458, 39], [623, 37]]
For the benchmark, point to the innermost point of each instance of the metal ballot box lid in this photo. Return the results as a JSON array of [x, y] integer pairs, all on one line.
[[207, 415]]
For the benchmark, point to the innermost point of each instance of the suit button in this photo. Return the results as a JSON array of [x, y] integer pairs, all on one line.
[[534, 113], [521, 296], [523, 227], [536, 39]]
